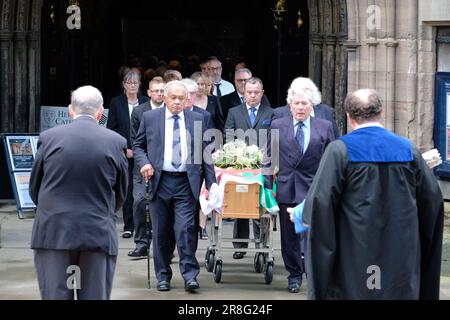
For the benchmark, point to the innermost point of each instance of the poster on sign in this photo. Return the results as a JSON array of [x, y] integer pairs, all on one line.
[[20, 151], [22, 180]]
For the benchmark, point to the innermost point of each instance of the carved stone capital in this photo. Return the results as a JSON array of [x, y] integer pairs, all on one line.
[[352, 45], [391, 43], [372, 42]]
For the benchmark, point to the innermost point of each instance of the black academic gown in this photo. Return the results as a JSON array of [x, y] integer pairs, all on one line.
[[373, 222]]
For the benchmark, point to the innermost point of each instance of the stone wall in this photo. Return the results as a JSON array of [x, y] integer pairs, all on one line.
[[392, 49]]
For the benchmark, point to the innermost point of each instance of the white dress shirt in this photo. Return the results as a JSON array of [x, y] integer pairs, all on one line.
[[225, 88], [168, 141]]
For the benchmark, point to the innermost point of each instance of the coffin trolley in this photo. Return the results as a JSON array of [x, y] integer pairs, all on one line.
[[242, 201]]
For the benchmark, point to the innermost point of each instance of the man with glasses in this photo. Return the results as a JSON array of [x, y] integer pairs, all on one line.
[[168, 158], [221, 87], [155, 92]]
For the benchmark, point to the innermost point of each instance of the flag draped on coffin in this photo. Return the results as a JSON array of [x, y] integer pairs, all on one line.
[[246, 176]]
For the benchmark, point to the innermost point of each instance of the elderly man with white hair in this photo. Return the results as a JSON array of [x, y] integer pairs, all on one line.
[[302, 142], [78, 182], [320, 110]]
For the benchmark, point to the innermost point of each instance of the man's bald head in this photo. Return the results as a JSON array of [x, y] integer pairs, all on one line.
[[363, 106]]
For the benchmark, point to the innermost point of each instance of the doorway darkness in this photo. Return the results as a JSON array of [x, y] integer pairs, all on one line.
[[115, 33]]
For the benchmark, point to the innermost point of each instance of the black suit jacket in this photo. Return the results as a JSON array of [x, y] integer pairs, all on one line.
[[321, 111], [215, 109], [149, 149], [238, 118], [232, 100], [79, 180], [136, 118], [119, 116]]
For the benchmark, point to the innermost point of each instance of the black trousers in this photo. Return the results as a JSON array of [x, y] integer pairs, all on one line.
[[127, 208], [292, 245], [174, 209], [139, 212], [241, 230]]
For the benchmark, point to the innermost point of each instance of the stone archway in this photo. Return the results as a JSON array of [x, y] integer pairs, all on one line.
[[20, 49]]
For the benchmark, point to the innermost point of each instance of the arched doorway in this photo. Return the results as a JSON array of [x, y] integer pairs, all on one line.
[[42, 60]]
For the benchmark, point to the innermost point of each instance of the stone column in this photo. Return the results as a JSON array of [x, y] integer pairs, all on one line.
[[391, 51], [406, 70]]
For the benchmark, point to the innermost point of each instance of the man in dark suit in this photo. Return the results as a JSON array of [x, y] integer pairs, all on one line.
[[78, 182], [250, 122], [298, 144], [236, 98], [119, 115], [156, 93], [168, 151], [320, 110]]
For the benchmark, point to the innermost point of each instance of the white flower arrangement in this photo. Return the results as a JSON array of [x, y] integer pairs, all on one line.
[[237, 155]]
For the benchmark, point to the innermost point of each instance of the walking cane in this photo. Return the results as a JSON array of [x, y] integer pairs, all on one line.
[[147, 224]]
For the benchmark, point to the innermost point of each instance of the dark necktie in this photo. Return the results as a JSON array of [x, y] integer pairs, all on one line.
[[176, 143], [299, 136], [252, 115], [218, 93]]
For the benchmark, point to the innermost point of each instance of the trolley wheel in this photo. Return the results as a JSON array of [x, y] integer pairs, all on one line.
[[210, 263], [268, 274], [259, 262], [208, 251], [218, 271]]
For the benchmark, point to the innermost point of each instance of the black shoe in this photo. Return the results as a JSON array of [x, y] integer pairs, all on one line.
[[238, 255], [127, 234], [294, 287], [191, 285], [163, 286], [138, 252]]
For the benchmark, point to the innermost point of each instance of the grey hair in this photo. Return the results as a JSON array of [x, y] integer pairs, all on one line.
[[190, 84], [87, 100], [306, 92], [246, 70], [306, 83], [132, 75], [174, 83]]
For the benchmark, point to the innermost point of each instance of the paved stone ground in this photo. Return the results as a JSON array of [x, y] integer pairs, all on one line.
[[239, 280]]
